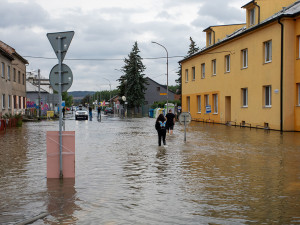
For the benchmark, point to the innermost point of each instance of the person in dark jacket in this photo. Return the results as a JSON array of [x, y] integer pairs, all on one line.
[[90, 113], [160, 126], [170, 121]]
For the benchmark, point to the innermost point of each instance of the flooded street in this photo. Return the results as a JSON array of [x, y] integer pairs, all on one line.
[[222, 175]]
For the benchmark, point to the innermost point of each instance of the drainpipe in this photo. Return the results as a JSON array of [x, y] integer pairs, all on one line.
[[281, 77], [258, 11]]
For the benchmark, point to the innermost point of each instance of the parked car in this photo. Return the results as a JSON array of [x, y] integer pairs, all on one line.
[[81, 114], [108, 110]]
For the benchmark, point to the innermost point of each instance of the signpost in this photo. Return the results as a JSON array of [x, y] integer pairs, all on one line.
[[185, 118], [66, 79], [60, 43]]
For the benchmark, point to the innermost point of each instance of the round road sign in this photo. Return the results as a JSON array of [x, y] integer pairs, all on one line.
[[185, 117], [66, 78]]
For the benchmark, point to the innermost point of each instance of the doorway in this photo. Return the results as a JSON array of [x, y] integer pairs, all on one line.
[[227, 109]]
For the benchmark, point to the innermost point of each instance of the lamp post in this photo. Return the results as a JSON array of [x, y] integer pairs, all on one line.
[[167, 73], [124, 98], [109, 91]]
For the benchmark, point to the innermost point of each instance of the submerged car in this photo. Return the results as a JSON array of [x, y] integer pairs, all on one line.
[[81, 115]]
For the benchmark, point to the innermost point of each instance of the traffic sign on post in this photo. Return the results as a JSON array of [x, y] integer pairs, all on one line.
[[62, 77], [66, 78], [66, 38], [185, 118]]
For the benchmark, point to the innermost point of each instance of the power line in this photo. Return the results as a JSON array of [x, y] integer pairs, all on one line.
[[83, 59]]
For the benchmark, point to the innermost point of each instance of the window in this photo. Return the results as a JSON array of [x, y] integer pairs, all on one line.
[[8, 72], [206, 100], [3, 101], [20, 102], [23, 79], [186, 75], [3, 70], [268, 93], [244, 97], [14, 75], [15, 102], [194, 73], [252, 17], [244, 58], [19, 77], [268, 51], [203, 70], [158, 89], [9, 102], [214, 67], [209, 38], [227, 63], [298, 87], [215, 99], [188, 103], [199, 103]]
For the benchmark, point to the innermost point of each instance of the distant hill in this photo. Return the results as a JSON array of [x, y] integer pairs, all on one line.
[[80, 94]]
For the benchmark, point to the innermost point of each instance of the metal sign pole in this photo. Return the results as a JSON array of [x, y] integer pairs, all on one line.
[[60, 104], [60, 43]]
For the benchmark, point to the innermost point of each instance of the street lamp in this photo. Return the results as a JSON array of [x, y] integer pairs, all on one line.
[[167, 73], [124, 98], [109, 91]]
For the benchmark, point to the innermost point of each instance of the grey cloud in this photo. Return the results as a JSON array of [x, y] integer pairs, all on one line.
[[98, 37], [218, 12], [21, 14]]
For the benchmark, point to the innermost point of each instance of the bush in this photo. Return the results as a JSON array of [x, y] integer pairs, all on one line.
[[162, 104]]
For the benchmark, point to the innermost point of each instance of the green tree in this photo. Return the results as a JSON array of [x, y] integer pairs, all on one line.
[[67, 98], [193, 48], [105, 95], [174, 88], [133, 83], [88, 99], [178, 81]]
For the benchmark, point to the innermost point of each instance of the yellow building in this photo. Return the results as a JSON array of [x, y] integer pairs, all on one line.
[[248, 73]]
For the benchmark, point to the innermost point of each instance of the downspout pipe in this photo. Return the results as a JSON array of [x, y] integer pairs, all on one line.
[[255, 3], [281, 76]]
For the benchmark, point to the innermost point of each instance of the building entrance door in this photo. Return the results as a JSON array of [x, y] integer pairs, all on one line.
[[227, 109]]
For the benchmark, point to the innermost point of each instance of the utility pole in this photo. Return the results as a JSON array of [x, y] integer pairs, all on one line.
[[109, 91], [39, 82], [167, 73]]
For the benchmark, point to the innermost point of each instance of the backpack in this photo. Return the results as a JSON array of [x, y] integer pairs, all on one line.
[[162, 125]]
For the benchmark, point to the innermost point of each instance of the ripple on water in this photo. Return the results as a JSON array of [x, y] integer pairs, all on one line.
[[221, 175]]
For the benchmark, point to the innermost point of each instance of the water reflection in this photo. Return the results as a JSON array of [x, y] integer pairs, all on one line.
[[61, 201]]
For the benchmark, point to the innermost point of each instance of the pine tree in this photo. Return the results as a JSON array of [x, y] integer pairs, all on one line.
[[193, 48], [178, 81], [132, 83]]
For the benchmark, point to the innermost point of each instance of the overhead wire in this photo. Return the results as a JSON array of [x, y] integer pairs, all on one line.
[[103, 59]]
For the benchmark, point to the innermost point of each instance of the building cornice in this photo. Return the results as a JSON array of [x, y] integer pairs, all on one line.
[[243, 31]]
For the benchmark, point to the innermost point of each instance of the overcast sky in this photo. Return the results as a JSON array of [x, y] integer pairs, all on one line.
[[107, 30]]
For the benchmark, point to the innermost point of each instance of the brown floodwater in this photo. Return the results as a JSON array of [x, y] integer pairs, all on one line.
[[221, 175]]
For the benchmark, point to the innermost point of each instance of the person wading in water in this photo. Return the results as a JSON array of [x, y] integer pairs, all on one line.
[[160, 126]]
